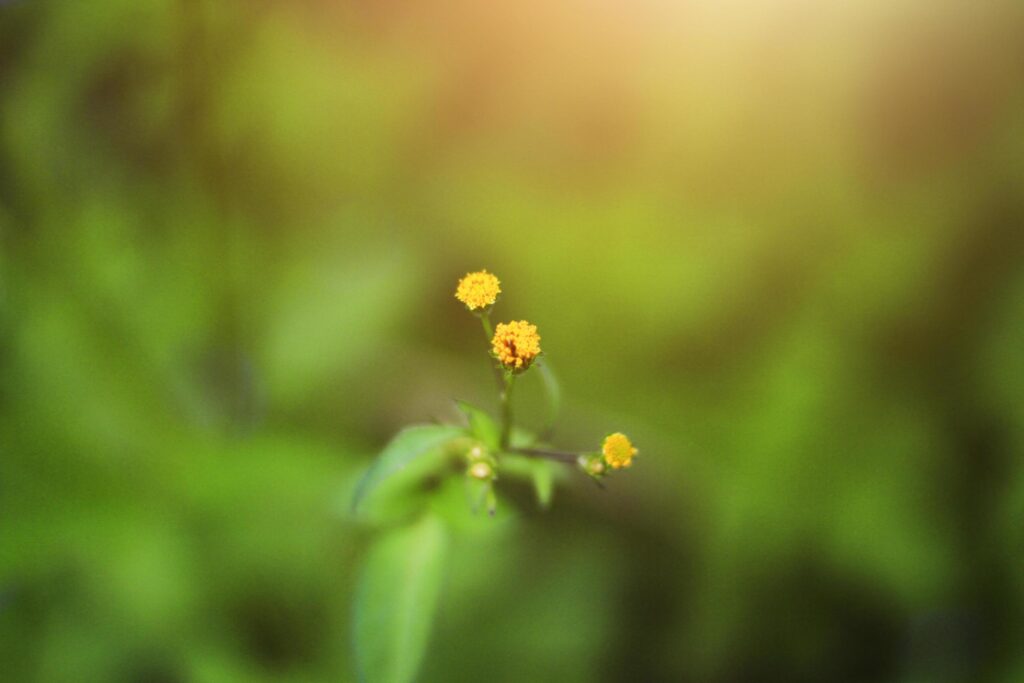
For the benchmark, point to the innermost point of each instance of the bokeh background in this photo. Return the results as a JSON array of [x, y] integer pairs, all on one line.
[[780, 243]]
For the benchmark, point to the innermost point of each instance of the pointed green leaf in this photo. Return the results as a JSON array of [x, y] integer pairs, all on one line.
[[396, 599], [544, 482], [542, 473], [406, 446], [482, 425]]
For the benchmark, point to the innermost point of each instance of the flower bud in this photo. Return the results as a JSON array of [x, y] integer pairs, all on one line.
[[592, 464], [481, 470]]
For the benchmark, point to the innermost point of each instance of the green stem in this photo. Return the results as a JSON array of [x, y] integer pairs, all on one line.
[[561, 456], [506, 410], [485, 320]]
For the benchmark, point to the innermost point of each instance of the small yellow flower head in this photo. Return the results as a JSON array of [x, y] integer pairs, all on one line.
[[478, 290], [516, 344], [618, 451]]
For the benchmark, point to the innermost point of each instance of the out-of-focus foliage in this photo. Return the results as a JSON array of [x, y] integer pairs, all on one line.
[[396, 601], [779, 243]]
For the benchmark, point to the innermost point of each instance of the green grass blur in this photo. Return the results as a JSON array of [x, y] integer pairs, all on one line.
[[778, 243]]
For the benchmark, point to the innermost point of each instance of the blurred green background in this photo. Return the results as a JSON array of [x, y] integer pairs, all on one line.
[[779, 243]]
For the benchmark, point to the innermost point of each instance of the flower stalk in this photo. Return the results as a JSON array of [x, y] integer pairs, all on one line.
[[485, 320], [506, 410], [560, 456]]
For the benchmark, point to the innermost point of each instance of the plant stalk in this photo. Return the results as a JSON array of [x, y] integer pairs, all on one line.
[[485, 321], [561, 456], [506, 410]]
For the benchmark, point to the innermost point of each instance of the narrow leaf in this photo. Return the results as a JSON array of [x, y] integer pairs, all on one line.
[[544, 482], [540, 472], [406, 446], [396, 600]]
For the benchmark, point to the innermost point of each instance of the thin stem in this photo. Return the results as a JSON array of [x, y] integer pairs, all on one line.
[[562, 456], [485, 321], [506, 410]]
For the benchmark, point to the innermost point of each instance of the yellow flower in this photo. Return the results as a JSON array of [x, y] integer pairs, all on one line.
[[618, 451], [516, 344], [478, 290]]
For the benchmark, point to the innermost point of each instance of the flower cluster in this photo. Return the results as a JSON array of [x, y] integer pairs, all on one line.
[[478, 290], [487, 451], [515, 346], [618, 451]]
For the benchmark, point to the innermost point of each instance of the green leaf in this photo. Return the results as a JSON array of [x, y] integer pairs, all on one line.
[[552, 393], [396, 600], [544, 482], [482, 426], [522, 438], [542, 473], [406, 446]]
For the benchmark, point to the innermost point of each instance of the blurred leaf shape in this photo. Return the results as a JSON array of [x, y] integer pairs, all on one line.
[[408, 445], [540, 472], [312, 118], [396, 600], [329, 316]]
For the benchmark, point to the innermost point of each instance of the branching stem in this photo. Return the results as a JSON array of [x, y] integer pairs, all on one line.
[[561, 456]]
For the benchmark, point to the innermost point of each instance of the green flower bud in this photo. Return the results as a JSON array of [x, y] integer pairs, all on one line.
[[593, 464]]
